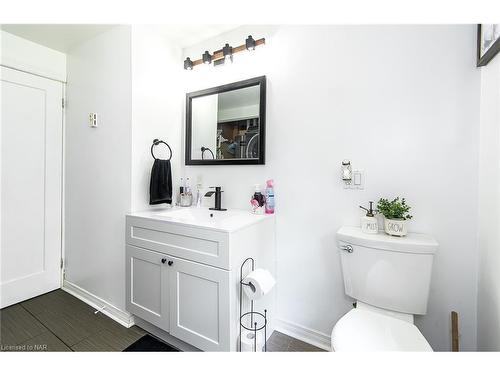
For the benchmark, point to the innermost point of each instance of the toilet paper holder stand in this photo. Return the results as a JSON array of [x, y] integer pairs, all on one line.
[[254, 316]]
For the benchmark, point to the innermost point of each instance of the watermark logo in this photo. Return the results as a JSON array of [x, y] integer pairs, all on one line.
[[24, 348]]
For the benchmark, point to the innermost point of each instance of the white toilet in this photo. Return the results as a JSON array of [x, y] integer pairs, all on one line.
[[390, 278]]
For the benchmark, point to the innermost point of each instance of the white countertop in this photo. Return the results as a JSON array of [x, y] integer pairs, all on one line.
[[226, 221]]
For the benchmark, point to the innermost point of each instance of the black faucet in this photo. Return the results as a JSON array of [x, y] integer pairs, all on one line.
[[218, 198]]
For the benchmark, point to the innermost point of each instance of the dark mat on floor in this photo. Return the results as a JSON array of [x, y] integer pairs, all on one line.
[[149, 343]]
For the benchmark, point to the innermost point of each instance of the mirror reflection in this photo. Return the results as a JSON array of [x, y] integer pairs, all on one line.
[[226, 126]]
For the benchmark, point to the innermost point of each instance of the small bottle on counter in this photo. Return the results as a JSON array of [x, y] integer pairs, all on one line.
[[270, 197], [257, 201], [181, 191], [186, 195]]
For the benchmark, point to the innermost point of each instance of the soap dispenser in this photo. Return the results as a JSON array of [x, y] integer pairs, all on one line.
[[369, 223], [257, 201]]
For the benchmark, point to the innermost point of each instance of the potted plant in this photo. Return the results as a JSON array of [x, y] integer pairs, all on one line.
[[396, 214]]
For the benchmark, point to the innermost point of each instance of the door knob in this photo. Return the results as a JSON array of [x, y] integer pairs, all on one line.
[[347, 248], [164, 260], [170, 262]]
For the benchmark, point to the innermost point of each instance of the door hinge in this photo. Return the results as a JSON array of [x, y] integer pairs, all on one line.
[[62, 263], [62, 102]]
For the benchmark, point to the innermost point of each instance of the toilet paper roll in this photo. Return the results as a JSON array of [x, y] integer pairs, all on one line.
[[248, 343], [261, 282]]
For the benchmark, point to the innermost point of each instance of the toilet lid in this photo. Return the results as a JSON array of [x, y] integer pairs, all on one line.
[[364, 330]]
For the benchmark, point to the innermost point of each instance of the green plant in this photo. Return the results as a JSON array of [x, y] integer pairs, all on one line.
[[395, 209]]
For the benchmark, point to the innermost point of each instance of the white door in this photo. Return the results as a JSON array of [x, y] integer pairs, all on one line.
[[147, 286], [204, 121], [31, 170], [199, 305]]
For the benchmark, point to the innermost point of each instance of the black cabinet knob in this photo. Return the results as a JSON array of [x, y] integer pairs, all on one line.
[[164, 260], [170, 262]]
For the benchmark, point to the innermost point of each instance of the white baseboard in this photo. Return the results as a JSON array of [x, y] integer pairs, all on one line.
[[120, 316], [305, 334]]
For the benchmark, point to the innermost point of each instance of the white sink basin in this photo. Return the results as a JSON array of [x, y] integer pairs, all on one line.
[[228, 221]]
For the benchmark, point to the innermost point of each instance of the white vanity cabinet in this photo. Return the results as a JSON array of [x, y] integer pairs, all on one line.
[[182, 275]]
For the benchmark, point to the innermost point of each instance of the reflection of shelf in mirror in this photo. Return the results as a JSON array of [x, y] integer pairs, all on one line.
[[223, 121]]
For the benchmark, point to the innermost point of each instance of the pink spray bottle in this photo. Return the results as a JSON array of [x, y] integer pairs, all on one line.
[[270, 197]]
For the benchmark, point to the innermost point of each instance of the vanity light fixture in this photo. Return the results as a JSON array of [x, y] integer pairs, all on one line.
[[207, 58], [224, 54], [188, 64]]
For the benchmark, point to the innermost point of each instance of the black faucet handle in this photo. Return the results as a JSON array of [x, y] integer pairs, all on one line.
[[218, 198]]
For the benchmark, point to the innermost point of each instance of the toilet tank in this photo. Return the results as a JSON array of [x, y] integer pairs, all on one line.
[[389, 272]]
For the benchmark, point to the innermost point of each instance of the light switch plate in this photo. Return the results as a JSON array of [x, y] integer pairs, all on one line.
[[93, 120], [358, 180]]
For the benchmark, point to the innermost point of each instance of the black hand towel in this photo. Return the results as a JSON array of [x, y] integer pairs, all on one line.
[[160, 186]]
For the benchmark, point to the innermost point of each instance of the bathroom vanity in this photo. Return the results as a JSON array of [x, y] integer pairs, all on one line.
[[183, 271]]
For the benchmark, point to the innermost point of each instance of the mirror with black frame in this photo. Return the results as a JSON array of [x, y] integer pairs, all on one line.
[[226, 124]]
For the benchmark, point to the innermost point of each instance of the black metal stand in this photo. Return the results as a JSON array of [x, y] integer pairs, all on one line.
[[252, 314]]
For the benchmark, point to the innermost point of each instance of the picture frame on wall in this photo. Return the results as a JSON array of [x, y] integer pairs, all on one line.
[[488, 42]]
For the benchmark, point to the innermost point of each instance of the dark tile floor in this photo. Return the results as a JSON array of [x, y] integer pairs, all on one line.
[[57, 321], [279, 342]]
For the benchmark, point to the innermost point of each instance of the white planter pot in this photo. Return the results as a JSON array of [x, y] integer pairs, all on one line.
[[396, 227]]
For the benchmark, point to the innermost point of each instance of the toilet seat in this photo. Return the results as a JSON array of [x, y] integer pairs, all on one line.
[[365, 330]]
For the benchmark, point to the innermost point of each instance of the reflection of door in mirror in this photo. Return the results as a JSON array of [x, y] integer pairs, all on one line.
[[205, 132], [238, 124]]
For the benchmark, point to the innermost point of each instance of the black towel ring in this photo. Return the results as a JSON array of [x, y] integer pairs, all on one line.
[[156, 142]]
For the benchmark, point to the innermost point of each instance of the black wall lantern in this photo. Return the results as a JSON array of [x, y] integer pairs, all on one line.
[[225, 54], [250, 43], [188, 64], [227, 51], [207, 58]]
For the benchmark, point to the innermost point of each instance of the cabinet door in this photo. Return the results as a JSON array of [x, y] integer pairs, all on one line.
[[199, 303], [148, 286]]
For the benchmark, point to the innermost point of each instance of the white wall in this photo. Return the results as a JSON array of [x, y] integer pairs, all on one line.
[[157, 102], [402, 103], [130, 77], [488, 335], [98, 164], [25, 55]]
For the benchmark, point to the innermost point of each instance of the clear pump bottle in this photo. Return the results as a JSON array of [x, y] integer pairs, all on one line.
[[369, 223]]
